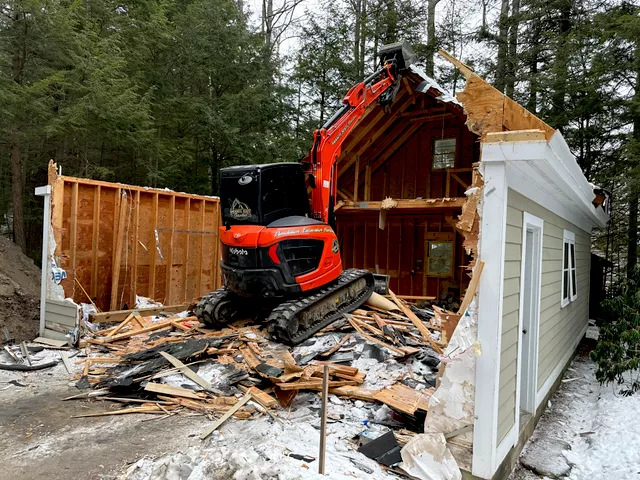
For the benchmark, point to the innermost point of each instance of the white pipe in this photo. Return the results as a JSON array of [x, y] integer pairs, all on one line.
[[46, 228]]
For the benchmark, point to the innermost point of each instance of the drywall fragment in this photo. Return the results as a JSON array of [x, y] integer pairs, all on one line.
[[427, 457], [452, 404]]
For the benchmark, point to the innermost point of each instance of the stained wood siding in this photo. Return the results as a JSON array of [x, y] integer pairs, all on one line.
[[558, 326]]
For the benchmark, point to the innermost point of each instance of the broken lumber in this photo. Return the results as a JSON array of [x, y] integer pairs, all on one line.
[[403, 398], [337, 346], [51, 342], [119, 315], [143, 409], [186, 371], [226, 416], [170, 390], [424, 331], [471, 289], [263, 398], [375, 340], [315, 384], [355, 392]]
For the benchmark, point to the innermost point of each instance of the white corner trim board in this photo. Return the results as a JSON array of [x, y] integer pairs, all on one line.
[[46, 225], [491, 251]]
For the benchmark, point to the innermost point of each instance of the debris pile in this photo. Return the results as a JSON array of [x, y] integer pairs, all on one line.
[[167, 364]]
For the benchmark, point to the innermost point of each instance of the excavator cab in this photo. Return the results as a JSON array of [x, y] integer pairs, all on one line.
[[261, 194]]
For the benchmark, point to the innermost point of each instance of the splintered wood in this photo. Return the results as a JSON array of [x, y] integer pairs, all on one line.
[[252, 374]]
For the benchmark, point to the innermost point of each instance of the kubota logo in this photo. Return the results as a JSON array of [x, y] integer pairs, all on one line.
[[238, 251]]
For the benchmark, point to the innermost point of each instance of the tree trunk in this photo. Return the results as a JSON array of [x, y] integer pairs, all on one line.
[[431, 36], [17, 187], [17, 192], [560, 68], [503, 29], [533, 54], [512, 62], [363, 36], [356, 40], [632, 245]]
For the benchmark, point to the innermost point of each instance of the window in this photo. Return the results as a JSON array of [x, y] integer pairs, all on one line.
[[569, 284], [444, 153], [440, 260]]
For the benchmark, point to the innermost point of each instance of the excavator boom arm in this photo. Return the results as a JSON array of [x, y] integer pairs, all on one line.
[[328, 140]]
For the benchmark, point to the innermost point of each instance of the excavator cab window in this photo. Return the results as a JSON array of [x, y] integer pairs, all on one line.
[[261, 194]]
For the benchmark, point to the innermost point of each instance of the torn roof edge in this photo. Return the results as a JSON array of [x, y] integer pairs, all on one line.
[[429, 83]]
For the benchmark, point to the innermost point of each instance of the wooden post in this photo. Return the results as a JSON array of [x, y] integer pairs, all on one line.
[[134, 249], [200, 251], [447, 186], [367, 183], [356, 179], [155, 245], [185, 258], [117, 254], [169, 271], [94, 242], [74, 230], [323, 419]]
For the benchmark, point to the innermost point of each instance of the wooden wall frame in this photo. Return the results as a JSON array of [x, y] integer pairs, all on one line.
[[116, 241]]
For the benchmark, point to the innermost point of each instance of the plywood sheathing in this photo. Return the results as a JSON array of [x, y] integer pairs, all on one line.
[[489, 110], [119, 241]]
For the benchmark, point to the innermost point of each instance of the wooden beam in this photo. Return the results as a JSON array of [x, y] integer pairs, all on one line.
[[226, 416], [471, 289], [424, 331], [380, 126], [117, 253], [119, 315]]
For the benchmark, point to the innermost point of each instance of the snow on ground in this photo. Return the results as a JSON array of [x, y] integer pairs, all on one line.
[[589, 431]]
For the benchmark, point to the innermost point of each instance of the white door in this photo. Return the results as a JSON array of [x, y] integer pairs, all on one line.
[[530, 279]]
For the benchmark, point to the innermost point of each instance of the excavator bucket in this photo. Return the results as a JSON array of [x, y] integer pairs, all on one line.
[[401, 51]]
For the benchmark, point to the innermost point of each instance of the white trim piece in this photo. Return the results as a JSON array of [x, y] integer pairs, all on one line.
[[546, 386], [46, 225], [539, 171], [507, 443], [529, 405], [491, 251]]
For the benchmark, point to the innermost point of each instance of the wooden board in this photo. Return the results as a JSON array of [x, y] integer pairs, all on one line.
[[120, 315], [150, 242], [403, 398]]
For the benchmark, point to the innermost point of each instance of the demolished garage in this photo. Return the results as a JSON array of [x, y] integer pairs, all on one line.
[[475, 210]]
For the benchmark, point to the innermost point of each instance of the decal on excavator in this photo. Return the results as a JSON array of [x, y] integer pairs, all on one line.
[[239, 210]]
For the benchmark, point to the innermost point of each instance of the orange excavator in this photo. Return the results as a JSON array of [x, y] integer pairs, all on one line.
[[280, 252]]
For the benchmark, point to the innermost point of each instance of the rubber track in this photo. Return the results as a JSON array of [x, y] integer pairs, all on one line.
[[207, 305], [284, 315]]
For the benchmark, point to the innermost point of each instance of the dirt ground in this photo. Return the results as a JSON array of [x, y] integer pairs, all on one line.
[[40, 439], [19, 292]]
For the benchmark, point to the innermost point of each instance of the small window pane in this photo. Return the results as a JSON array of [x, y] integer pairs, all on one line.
[[573, 283], [565, 289], [440, 258], [444, 153], [573, 256], [566, 255]]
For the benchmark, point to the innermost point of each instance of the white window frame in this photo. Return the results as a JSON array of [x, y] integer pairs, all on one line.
[[568, 241]]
